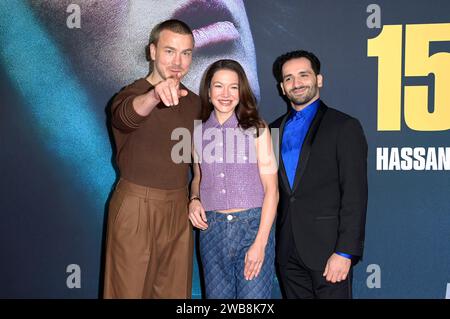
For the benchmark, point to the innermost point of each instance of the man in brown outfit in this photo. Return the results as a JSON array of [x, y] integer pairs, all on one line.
[[149, 242]]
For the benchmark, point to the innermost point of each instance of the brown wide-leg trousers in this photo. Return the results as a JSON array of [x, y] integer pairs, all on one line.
[[149, 243]]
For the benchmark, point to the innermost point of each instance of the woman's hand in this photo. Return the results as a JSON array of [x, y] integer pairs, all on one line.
[[254, 259], [197, 214]]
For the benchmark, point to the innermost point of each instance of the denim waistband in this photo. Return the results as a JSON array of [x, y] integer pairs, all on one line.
[[250, 213]]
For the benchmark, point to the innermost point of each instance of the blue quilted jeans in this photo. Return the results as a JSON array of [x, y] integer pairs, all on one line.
[[222, 249]]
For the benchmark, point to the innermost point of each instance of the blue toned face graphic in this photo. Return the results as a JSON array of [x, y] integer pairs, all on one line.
[[60, 68], [107, 53], [66, 76], [110, 45]]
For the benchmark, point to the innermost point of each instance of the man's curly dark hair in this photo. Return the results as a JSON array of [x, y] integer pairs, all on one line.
[[282, 59]]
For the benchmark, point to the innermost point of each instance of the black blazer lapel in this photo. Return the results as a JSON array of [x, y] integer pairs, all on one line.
[[306, 148], [282, 169]]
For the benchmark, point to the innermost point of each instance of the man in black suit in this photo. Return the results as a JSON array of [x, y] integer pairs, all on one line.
[[323, 186]]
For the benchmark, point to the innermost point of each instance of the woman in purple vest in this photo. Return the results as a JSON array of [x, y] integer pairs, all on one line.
[[234, 192]]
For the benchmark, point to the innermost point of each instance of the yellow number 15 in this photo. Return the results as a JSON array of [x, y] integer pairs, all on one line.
[[387, 46]]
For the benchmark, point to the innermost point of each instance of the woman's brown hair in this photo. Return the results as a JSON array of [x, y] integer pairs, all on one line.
[[246, 111]]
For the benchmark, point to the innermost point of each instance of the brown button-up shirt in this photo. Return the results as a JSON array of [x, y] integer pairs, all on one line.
[[144, 144]]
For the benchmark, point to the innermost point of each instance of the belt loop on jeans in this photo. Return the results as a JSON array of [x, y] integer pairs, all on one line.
[[146, 195]]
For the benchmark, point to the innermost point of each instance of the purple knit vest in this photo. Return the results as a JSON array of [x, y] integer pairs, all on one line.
[[228, 163]]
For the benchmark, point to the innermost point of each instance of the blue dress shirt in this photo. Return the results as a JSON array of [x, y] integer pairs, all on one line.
[[295, 130], [344, 255]]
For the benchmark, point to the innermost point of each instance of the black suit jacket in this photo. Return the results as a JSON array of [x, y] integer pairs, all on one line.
[[325, 212]]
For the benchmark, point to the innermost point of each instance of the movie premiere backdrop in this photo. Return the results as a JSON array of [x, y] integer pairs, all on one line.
[[384, 62]]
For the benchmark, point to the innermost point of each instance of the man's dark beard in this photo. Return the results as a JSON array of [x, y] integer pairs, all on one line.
[[304, 100]]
